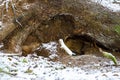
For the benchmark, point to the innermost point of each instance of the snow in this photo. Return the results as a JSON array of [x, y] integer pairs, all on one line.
[[1, 45], [52, 47], [33, 67], [109, 4], [0, 25]]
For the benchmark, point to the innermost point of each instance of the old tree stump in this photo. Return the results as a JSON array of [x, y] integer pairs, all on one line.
[[78, 22]]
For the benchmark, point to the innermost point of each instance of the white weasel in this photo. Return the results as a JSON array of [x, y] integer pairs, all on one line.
[[65, 47]]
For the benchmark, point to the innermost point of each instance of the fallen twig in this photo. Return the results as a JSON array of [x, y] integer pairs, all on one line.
[[11, 54]]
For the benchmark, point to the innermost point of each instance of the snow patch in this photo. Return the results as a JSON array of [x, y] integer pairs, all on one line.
[[39, 68], [52, 47], [1, 45], [26, 6], [0, 25], [109, 4]]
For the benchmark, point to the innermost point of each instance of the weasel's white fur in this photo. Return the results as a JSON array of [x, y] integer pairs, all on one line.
[[65, 47]]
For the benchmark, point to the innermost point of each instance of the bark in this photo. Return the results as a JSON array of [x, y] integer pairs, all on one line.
[[15, 41], [7, 29], [29, 23]]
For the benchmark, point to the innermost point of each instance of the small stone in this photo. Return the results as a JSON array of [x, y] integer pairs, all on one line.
[[115, 74], [105, 75]]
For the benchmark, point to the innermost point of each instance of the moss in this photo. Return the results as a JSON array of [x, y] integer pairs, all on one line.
[[117, 29]]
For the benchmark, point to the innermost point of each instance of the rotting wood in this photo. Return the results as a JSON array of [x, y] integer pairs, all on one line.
[[7, 29], [92, 22], [14, 43]]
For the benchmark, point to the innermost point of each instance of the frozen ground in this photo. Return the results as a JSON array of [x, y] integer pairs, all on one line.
[[33, 67], [113, 5]]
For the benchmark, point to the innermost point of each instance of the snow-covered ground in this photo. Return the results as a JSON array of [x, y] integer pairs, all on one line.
[[113, 5], [33, 67]]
